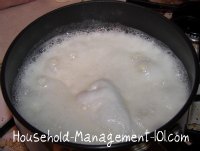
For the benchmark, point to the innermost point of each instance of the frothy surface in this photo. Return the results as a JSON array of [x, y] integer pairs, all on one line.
[[102, 82]]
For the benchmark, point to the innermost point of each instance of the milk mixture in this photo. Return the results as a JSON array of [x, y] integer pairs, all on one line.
[[102, 82]]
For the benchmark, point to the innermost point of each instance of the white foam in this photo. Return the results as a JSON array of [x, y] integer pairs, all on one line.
[[145, 84]]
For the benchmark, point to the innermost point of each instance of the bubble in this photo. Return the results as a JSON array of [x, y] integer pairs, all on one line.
[[42, 81], [52, 64], [73, 56]]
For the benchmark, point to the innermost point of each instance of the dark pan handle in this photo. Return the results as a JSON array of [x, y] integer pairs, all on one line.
[[162, 6], [153, 5], [7, 127]]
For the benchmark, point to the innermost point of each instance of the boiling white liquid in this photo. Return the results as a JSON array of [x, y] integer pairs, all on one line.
[[102, 82]]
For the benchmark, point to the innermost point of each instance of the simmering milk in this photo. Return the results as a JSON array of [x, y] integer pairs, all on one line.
[[103, 81]]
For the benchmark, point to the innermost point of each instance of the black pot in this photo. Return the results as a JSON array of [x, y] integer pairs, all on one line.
[[105, 11]]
